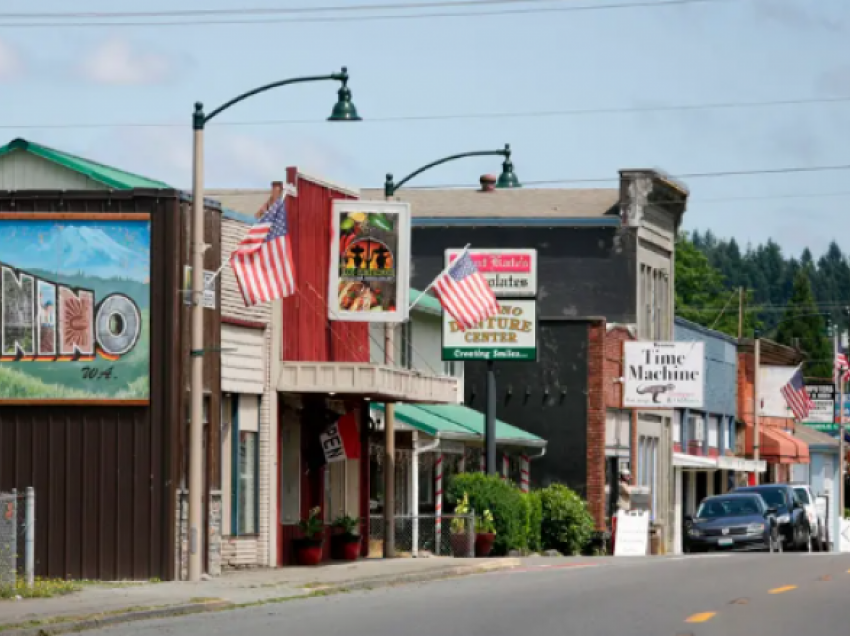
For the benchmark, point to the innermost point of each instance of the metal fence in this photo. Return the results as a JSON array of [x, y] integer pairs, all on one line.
[[17, 537], [426, 535]]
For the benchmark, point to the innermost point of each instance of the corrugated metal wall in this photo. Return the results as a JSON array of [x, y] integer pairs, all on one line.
[[307, 332], [103, 474]]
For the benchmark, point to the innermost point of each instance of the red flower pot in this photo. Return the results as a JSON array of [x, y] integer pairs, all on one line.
[[308, 551], [484, 543], [460, 545], [345, 547]]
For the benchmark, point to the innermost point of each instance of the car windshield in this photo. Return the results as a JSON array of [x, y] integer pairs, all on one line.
[[803, 494], [774, 497], [729, 507]]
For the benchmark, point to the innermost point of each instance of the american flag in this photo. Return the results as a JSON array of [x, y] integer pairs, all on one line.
[[842, 365], [263, 260], [796, 396], [465, 294]]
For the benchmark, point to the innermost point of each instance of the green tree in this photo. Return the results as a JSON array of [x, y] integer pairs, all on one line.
[[701, 295], [804, 327]]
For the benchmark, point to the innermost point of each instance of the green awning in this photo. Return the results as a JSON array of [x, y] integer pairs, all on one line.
[[429, 424], [454, 421]]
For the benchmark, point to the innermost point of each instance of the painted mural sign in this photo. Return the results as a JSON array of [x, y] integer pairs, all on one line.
[[659, 375], [509, 272], [74, 309], [369, 277], [512, 335]]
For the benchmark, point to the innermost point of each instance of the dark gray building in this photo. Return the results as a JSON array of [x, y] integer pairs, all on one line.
[[603, 255]]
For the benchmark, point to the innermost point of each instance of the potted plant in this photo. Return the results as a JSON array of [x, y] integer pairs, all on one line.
[[485, 534], [458, 537], [308, 549], [345, 542]]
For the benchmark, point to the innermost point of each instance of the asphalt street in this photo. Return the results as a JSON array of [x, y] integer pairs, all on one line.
[[725, 595]]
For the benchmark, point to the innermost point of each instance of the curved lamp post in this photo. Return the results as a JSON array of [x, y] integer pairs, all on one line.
[[507, 179], [343, 110]]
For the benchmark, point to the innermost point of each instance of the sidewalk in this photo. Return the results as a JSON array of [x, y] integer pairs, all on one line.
[[127, 600]]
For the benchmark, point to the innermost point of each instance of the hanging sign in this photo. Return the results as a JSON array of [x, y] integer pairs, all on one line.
[[510, 273], [663, 375], [512, 335], [823, 398], [369, 277], [341, 440]]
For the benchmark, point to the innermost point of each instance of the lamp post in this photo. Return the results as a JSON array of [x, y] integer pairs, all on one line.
[[507, 179], [343, 110]]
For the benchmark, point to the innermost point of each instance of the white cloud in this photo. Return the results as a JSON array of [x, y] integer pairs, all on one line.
[[11, 64], [119, 62]]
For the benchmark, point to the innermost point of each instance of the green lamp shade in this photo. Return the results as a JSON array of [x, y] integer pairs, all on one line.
[[344, 109], [508, 179]]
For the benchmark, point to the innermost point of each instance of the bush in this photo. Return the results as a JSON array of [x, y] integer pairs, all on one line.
[[502, 499], [534, 524], [567, 525]]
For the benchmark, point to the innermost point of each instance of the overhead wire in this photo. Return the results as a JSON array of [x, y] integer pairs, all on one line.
[[641, 4], [572, 112]]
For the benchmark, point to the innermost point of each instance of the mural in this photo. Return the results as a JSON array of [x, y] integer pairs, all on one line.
[[74, 309]]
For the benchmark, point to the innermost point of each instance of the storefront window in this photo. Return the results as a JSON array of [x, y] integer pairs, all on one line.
[[247, 503]]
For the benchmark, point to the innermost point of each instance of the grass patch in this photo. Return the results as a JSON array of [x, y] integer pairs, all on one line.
[[42, 588]]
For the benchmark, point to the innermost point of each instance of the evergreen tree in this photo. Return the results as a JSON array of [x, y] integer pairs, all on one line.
[[803, 326]]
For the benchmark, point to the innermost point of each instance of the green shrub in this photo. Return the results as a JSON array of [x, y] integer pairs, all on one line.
[[567, 525], [534, 506], [503, 500]]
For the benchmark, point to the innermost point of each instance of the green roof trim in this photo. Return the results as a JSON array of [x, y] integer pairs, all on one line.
[[455, 421], [427, 304], [107, 175]]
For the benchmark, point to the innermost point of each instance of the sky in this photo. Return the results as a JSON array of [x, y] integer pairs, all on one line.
[[711, 52]]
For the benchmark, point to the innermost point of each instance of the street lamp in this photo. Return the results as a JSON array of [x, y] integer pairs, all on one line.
[[507, 179], [343, 110]]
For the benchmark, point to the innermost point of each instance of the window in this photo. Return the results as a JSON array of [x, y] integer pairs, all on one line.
[[244, 465]]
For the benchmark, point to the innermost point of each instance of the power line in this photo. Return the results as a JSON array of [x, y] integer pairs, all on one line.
[[188, 13], [360, 18], [570, 112]]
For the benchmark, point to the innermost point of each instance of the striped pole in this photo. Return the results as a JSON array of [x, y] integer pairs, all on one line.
[[506, 466], [438, 503], [523, 473]]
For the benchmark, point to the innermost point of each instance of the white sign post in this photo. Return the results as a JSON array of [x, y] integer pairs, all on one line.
[[663, 375]]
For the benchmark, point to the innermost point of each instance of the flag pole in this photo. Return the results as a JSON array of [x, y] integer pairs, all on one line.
[[431, 284]]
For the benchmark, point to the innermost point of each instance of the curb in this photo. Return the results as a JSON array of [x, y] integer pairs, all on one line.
[[220, 605], [115, 619]]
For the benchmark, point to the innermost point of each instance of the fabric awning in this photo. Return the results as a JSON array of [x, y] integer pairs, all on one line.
[[683, 460], [778, 447], [450, 421]]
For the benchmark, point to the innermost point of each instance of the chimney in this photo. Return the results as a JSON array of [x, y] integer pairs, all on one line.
[[488, 183]]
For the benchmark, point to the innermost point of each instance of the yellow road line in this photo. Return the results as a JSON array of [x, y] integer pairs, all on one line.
[[780, 590], [701, 618]]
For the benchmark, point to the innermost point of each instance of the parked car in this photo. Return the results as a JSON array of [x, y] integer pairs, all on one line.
[[733, 522], [793, 521], [816, 522]]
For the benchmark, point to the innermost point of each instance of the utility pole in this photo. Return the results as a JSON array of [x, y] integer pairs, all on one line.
[[389, 449], [490, 420], [756, 431], [740, 313]]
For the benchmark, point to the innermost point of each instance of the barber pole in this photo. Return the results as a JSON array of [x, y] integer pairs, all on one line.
[[482, 463], [438, 503], [506, 467], [523, 473]]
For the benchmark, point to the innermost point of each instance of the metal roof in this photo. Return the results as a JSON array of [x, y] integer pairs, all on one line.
[[107, 175]]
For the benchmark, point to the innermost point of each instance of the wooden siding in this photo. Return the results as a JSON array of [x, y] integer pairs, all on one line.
[[21, 170], [248, 370], [243, 360]]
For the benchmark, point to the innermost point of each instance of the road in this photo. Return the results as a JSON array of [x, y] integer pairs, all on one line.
[[725, 595]]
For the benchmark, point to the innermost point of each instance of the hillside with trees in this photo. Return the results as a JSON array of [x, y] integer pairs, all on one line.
[[790, 299]]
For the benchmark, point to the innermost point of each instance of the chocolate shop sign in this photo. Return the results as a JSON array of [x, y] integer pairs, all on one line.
[[512, 335], [663, 375]]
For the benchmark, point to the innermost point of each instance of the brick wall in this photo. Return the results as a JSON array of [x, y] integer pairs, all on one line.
[[613, 369], [596, 402]]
